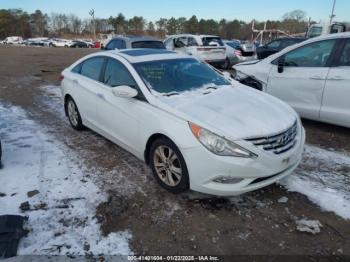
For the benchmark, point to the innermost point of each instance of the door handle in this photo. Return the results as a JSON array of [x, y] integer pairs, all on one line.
[[336, 78], [317, 77], [101, 96]]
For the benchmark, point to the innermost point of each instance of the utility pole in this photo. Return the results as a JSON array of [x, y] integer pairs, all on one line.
[[92, 14], [332, 14]]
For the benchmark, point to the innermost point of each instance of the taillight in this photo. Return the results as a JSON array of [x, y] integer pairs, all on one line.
[[61, 78], [238, 53]]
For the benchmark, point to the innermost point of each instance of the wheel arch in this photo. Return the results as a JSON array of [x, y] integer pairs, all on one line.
[[149, 143], [66, 97]]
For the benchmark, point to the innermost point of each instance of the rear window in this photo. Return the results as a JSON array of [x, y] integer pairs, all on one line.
[[148, 44], [207, 40]]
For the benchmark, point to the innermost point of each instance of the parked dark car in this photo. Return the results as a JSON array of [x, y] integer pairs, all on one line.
[[134, 42], [276, 46], [80, 44]]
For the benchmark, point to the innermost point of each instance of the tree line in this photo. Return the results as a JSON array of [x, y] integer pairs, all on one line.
[[16, 22]]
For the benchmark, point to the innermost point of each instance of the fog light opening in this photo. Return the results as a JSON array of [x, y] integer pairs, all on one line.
[[228, 180]]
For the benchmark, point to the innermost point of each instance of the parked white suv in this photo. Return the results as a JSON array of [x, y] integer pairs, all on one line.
[[208, 48], [313, 77]]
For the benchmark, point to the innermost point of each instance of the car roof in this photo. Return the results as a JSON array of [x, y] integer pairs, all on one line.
[[139, 55]]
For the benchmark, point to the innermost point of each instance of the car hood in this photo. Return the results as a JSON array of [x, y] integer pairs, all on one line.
[[235, 112]]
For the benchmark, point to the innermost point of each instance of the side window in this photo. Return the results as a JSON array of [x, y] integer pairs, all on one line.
[[180, 42], [312, 55], [116, 74], [345, 56], [91, 68], [111, 45], [274, 44], [191, 42], [120, 44]]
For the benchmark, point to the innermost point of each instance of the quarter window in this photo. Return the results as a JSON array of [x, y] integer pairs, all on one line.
[[91, 68], [312, 55], [116, 74]]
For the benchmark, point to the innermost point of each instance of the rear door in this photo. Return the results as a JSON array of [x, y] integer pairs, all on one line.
[[302, 82], [85, 86], [336, 98]]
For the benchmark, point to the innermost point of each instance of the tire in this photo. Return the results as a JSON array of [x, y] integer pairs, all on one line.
[[170, 171], [227, 63], [73, 114]]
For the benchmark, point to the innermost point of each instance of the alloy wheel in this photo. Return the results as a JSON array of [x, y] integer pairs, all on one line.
[[167, 165]]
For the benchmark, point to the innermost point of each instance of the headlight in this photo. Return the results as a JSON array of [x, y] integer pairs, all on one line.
[[219, 145]]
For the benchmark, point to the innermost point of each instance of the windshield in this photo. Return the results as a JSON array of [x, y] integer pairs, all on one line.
[[148, 44], [179, 75]]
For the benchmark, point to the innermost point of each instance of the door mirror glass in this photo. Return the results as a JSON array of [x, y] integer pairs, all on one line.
[[124, 91]]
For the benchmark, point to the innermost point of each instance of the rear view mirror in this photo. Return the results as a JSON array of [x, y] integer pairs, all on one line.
[[124, 91]]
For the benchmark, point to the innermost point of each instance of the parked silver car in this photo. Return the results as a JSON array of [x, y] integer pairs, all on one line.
[[236, 52]]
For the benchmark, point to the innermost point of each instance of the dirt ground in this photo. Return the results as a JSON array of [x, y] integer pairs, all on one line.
[[160, 222]]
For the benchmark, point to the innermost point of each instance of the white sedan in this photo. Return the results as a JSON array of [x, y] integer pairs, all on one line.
[[195, 127], [313, 77]]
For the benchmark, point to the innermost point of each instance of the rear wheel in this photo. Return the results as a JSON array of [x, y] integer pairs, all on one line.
[[227, 63], [74, 115], [168, 166]]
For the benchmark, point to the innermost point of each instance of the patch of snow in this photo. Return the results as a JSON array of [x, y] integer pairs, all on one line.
[[309, 226], [62, 216], [324, 178], [52, 90], [283, 200]]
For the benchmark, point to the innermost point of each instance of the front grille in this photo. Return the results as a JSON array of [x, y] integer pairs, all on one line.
[[279, 143]]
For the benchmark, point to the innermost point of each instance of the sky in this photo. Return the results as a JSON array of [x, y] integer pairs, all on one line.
[[318, 10]]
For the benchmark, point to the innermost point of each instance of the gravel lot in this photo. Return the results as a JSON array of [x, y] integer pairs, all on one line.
[[262, 222]]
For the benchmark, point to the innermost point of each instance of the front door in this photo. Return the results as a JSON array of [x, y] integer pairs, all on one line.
[[336, 99], [302, 82]]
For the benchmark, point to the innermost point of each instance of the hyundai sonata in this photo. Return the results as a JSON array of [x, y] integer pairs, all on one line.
[[194, 126]]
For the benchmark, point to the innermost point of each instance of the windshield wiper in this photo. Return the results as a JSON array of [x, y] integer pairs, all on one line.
[[171, 94]]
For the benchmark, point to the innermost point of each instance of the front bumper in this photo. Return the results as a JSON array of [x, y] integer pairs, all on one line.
[[254, 173]]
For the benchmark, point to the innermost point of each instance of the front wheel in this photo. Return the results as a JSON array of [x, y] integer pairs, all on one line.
[[168, 166]]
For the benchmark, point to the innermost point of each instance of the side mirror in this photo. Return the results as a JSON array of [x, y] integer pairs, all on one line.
[[124, 91], [280, 65]]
